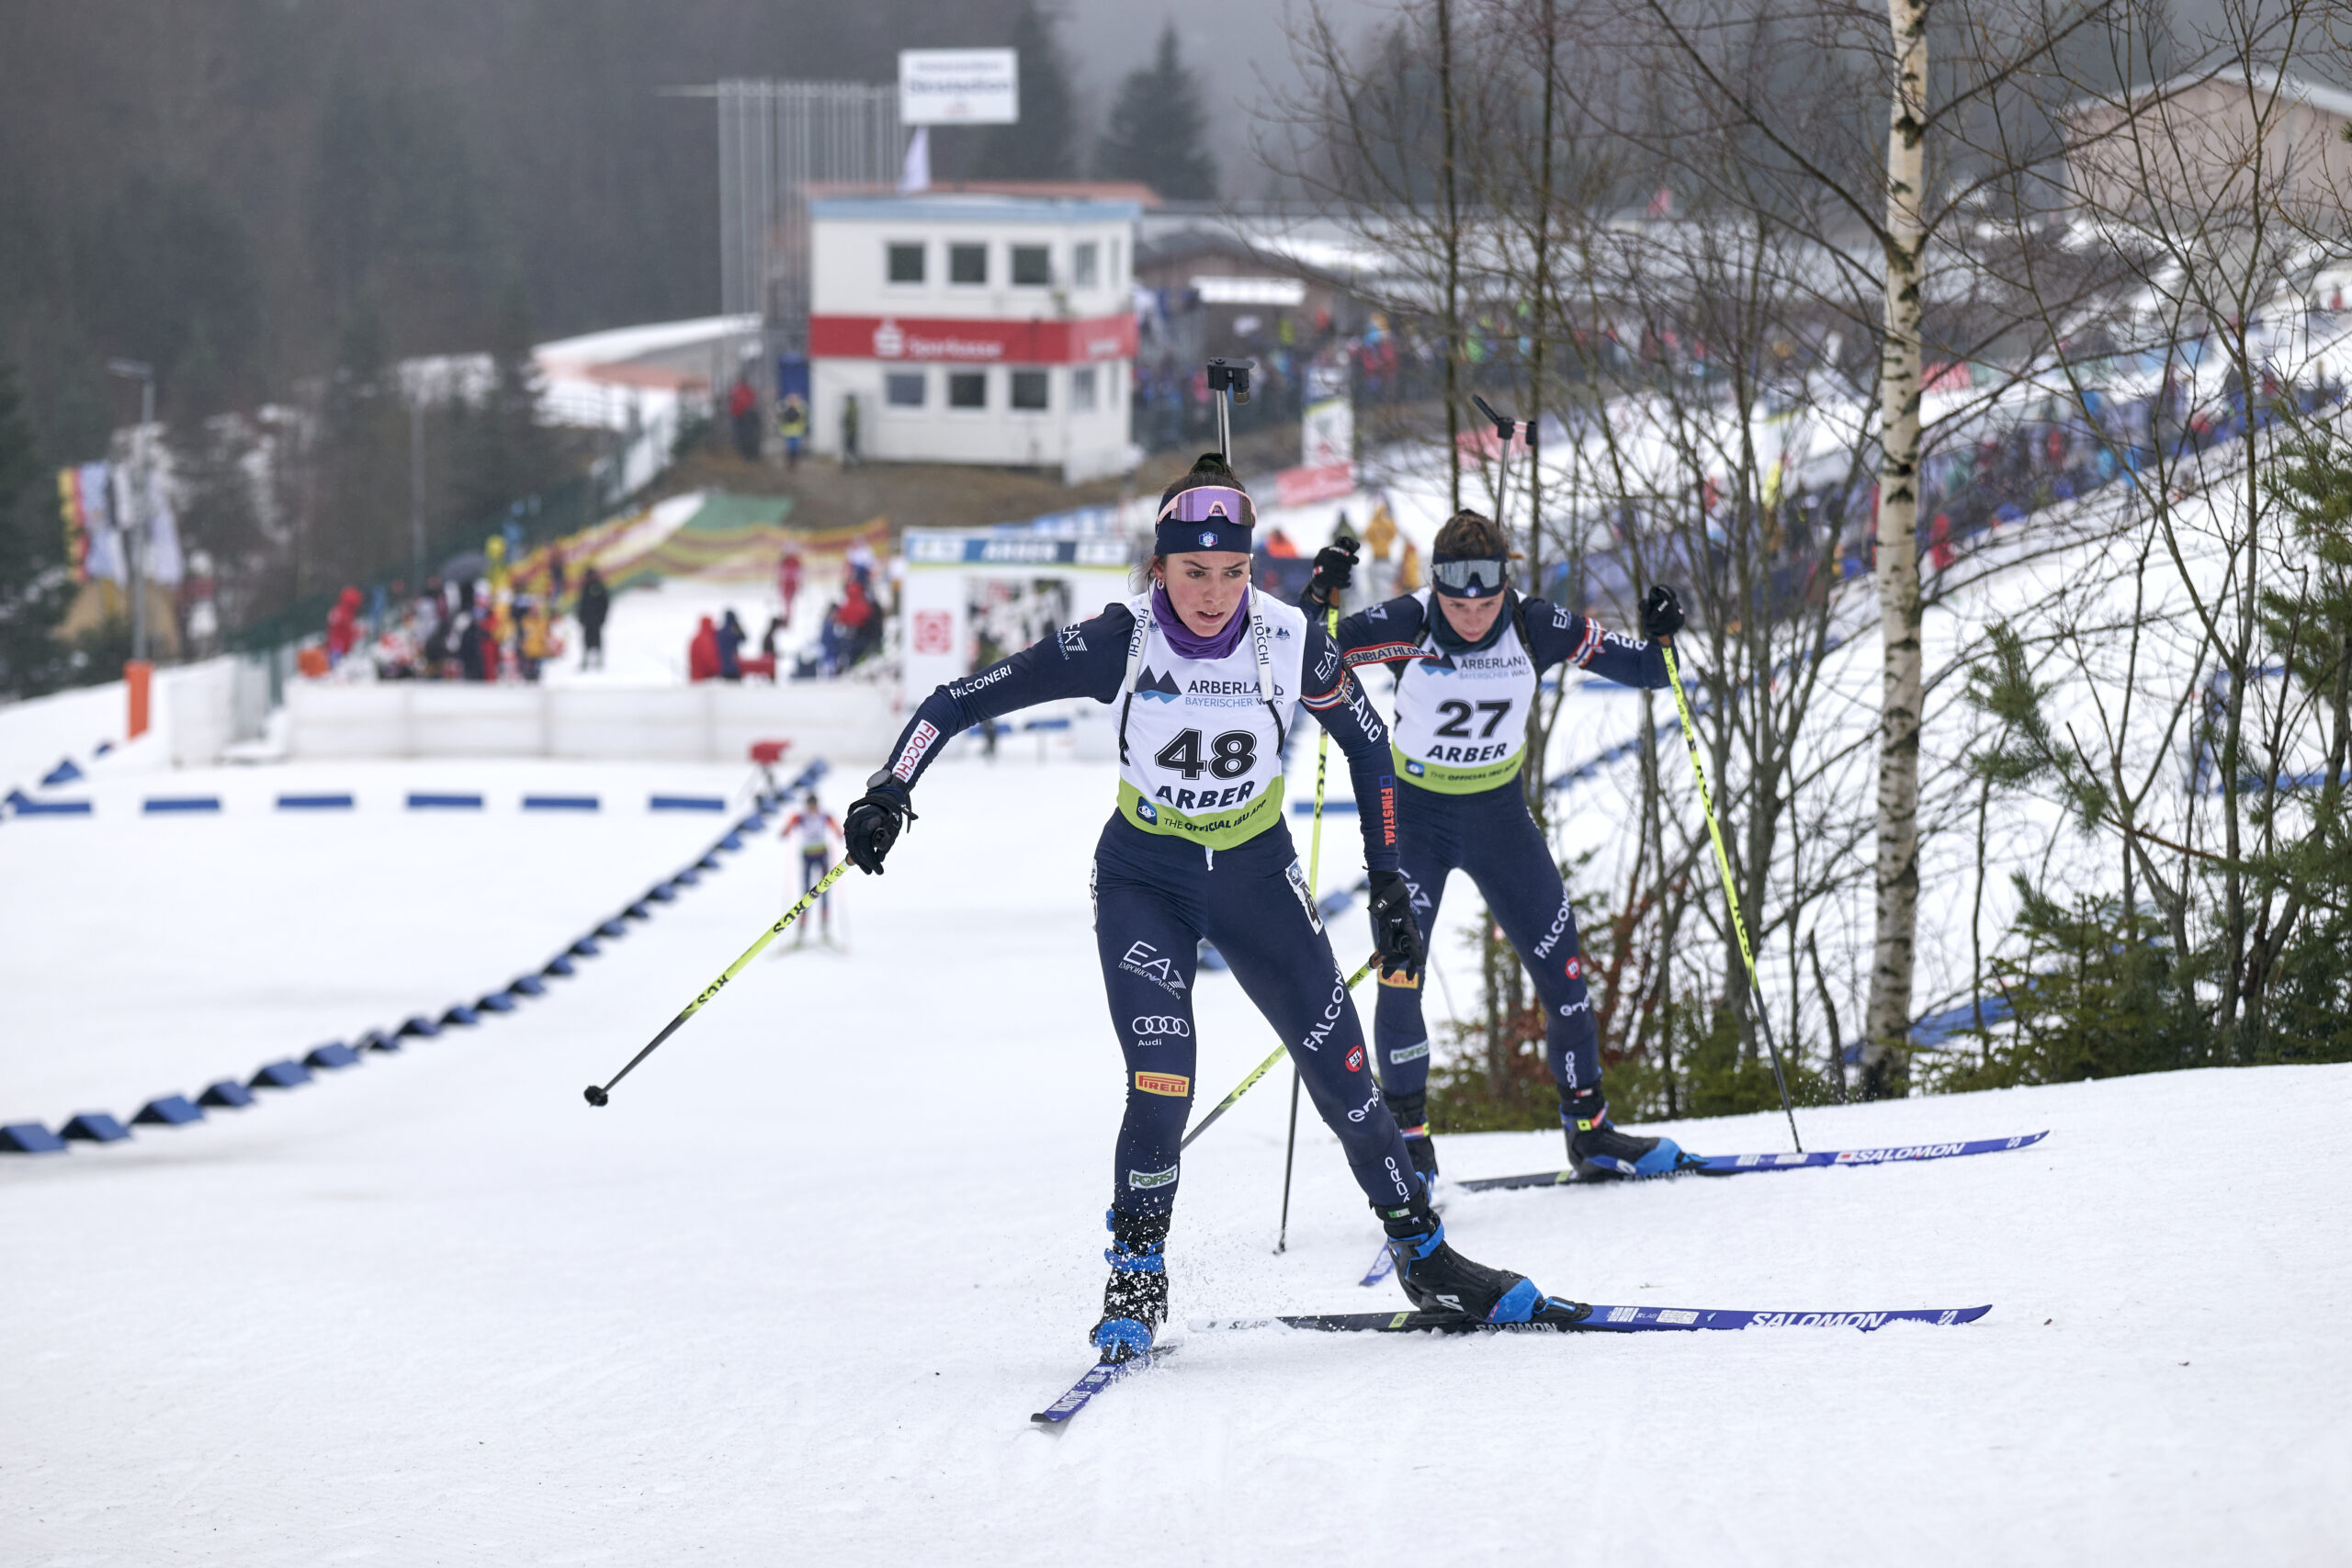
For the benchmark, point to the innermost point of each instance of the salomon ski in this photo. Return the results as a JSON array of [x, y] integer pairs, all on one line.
[[1575, 1318], [1740, 1165], [1102, 1375]]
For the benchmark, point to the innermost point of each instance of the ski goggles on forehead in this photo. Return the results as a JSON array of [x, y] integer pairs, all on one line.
[[1210, 503], [1468, 577]]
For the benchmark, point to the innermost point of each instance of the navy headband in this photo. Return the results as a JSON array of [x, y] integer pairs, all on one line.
[[1206, 517]]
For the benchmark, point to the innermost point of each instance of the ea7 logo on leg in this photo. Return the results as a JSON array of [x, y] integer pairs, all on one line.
[[1176, 1085]]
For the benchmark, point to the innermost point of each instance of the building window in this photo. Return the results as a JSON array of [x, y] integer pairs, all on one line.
[[967, 388], [1084, 264], [968, 264], [1033, 266], [1116, 276], [1029, 390], [906, 263], [903, 389], [1082, 387]]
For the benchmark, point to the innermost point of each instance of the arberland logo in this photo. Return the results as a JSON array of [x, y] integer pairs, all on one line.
[[1158, 688]]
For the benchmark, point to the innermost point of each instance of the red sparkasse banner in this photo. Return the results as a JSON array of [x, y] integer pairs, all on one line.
[[923, 339]]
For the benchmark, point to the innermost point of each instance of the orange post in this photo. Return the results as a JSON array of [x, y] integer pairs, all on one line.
[[136, 673]]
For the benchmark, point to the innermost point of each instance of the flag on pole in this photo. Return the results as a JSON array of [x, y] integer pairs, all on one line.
[[916, 176]]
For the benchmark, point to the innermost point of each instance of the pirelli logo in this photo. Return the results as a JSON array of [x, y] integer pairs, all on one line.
[[1401, 979], [1174, 1085]]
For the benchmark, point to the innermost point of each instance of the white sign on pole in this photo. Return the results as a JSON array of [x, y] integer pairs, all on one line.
[[959, 86]]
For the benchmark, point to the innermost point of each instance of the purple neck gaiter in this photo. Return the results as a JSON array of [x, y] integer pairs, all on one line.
[[1172, 626]]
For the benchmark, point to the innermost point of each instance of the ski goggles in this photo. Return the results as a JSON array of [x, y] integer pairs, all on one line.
[[1468, 577], [1207, 517]]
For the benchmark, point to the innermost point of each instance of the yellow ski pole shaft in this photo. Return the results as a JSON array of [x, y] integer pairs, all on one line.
[[596, 1094], [1731, 896], [1264, 1067], [1315, 896]]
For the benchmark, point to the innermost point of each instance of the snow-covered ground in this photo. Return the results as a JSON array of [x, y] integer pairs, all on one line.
[[792, 1296]]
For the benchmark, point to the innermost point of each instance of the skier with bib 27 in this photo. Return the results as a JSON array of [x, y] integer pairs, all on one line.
[[1207, 677], [1468, 653]]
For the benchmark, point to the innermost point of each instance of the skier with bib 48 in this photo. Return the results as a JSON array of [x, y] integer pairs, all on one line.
[[1207, 677], [1468, 653]]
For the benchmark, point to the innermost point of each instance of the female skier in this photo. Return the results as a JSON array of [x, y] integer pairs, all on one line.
[[1207, 676], [1468, 653]]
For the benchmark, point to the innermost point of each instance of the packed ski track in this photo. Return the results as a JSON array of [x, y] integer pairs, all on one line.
[[795, 1295]]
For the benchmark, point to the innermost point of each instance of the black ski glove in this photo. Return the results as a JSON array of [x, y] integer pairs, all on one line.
[[1395, 931], [1661, 612], [1335, 567], [872, 824]]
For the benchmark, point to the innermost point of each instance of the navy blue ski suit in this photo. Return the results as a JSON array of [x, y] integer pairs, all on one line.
[[1154, 898], [1486, 830]]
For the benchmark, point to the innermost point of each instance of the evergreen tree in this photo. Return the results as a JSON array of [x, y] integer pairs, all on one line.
[[1155, 130], [1042, 144], [499, 452], [33, 581]]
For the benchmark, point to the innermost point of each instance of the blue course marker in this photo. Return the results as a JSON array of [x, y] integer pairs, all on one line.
[[228, 1093], [461, 1015], [158, 804], [421, 1027], [281, 1075], [27, 806], [65, 772], [171, 1111], [560, 965], [332, 1056], [528, 986], [377, 1040], [495, 1001], [315, 803], [560, 803], [612, 928], [418, 801], [29, 1138], [96, 1127], [686, 802]]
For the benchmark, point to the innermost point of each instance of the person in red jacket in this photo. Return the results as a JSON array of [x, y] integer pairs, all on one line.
[[343, 625], [788, 579], [702, 654]]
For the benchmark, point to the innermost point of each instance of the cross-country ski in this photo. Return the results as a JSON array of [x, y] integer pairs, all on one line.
[[1740, 1165], [1585, 1318]]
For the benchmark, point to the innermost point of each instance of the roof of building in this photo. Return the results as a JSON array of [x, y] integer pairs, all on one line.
[[975, 207], [2321, 96]]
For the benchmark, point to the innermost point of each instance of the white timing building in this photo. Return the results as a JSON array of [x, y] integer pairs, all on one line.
[[973, 329]]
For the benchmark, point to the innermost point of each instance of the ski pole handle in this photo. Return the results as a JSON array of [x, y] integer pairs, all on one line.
[[1261, 1069], [596, 1094]]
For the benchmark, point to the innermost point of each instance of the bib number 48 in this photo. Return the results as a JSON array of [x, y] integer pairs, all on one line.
[[1230, 755]]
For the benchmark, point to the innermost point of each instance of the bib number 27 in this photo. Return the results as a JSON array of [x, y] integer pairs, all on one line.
[[1230, 755]]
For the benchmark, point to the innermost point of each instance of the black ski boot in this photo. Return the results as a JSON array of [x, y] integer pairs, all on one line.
[[1438, 1278], [1135, 1302], [1412, 1114], [1598, 1152]]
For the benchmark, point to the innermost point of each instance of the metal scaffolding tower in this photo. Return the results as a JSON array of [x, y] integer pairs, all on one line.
[[775, 140]]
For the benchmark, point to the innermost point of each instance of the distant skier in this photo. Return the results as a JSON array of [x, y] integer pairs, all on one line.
[[816, 830], [1468, 653], [1207, 676]]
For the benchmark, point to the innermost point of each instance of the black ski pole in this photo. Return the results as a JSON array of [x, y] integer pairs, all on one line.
[[1281, 1242]]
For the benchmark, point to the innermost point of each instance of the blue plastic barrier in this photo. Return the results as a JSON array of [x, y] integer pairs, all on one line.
[[94, 1127], [528, 986], [29, 1138], [281, 1075], [421, 1027], [332, 1056], [421, 802], [686, 802], [63, 773], [461, 1015], [171, 1111], [494, 1002], [155, 805], [560, 803], [315, 803], [228, 1093]]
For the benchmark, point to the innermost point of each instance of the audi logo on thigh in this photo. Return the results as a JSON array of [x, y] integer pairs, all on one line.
[[1153, 1024]]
